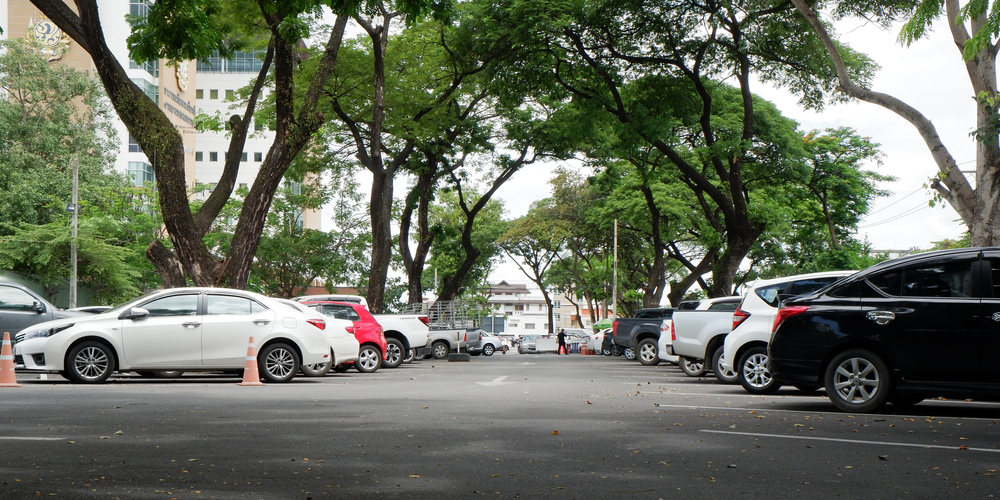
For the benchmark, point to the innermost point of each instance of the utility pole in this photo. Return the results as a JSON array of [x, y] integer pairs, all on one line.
[[72, 244], [614, 277]]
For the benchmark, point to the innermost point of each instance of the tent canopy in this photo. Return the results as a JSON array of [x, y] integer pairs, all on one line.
[[604, 323]]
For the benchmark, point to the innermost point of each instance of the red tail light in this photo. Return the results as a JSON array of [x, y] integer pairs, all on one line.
[[425, 319], [614, 327], [739, 316], [785, 313], [318, 323], [673, 333]]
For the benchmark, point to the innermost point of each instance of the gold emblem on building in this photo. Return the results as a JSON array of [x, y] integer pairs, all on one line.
[[54, 43], [181, 69]]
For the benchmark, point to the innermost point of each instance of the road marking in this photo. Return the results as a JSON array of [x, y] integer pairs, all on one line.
[[496, 382], [853, 441], [15, 438]]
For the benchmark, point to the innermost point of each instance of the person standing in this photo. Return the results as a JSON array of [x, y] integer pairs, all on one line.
[[562, 342]]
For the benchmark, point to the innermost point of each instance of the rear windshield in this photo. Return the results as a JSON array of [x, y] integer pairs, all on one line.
[[654, 313], [773, 294]]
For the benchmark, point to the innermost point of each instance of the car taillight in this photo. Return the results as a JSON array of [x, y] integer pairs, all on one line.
[[318, 323], [614, 328], [425, 319], [785, 313], [739, 316], [673, 333]]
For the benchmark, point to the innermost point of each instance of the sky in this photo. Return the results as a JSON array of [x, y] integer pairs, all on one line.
[[928, 75]]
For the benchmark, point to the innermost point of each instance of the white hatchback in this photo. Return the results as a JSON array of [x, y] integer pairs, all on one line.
[[178, 329], [745, 347]]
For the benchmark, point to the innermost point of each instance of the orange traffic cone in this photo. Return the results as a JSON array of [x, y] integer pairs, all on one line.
[[250, 374], [7, 378]]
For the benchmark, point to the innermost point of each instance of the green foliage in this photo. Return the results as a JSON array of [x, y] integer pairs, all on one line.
[[43, 252], [447, 220]]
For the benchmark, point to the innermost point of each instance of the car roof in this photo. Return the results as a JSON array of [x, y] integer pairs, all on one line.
[[797, 277]]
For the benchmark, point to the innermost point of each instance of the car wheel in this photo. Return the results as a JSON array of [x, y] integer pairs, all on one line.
[[318, 370], [394, 353], [488, 349], [440, 350], [160, 373], [857, 381], [369, 359], [410, 356], [723, 375], [277, 363], [754, 372], [606, 352], [341, 368], [692, 367], [648, 354], [615, 350], [89, 363], [629, 353]]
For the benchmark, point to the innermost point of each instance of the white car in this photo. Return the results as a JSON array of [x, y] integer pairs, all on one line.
[[745, 347], [344, 346], [178, 329]]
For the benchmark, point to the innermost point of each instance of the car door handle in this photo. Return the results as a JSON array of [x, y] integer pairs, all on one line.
[[881, 317], [191, 325], [261, 322]]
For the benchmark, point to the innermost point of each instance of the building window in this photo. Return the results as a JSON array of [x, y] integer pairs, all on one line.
[[556, 317], [243, 157], [258, 157], [199, 156], [242, 62], [133, 147], [149, 89], [213, 94], [199, 94], [518, 307], [529, 326], [141, 173], [213, 156], [151, 67], [230, 95], [243, 185], [258, 125], [295, 187]]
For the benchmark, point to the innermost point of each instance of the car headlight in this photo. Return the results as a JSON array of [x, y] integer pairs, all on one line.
[[43, 332]]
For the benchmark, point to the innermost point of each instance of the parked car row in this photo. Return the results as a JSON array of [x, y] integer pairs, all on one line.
[[899, 332]]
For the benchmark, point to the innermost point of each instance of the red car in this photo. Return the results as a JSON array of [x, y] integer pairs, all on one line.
[[365, 329]]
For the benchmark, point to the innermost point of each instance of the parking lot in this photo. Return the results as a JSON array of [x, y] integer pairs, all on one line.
[[506, 426]]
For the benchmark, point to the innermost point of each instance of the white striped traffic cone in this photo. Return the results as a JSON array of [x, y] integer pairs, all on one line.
[[250, 374], [7, 378]]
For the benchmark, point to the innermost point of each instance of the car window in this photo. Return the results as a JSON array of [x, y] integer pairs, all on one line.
[[175, 305], [769, 294], [653, 313], [952, 279], [228, 304], [340, 312], [802, 287], [723, 306], [13, 299]]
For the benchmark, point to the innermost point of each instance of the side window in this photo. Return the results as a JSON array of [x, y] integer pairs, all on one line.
[[811, 285], [723, 306], [227, 304], [769, 294], [952, 279], [341, 312], [13, 299], [175, 305]]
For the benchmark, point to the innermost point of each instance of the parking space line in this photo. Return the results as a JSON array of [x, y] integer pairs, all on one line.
[[18, 438], [852, 441]]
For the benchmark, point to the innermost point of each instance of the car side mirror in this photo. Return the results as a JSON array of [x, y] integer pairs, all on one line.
[[37, 307], [134, 313]]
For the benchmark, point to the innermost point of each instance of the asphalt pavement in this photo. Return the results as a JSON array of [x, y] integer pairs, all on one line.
[[505, 426]]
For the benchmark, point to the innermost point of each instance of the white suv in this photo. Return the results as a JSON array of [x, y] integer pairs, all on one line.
[[745, 348]]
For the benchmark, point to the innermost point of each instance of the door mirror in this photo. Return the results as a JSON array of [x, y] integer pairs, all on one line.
[[37, 307], [134, 313]]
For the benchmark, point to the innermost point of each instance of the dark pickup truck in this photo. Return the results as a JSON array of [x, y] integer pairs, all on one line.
[[638, 336]]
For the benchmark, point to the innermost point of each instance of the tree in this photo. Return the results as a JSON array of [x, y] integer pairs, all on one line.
[[51, 115], [972, 27], [533, 242], [465, 250]]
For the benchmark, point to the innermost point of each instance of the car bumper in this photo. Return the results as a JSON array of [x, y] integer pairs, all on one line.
[[31, 355], [345, 349]]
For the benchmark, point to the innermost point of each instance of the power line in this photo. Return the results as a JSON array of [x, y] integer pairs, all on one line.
[[896, 217]]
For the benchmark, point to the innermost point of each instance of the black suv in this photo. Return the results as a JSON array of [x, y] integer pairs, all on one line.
[[919, 326]]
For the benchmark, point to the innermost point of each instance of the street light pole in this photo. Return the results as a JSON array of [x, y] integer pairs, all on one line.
[[614, 277], [72, 244]]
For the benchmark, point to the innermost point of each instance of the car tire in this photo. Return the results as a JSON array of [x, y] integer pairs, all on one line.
[[369, 359], [341, 368], [89, 363], [858, 381], [692, 367], [278, 363], [440, 350], [754, 372], [411, 356], [606, 352], [647, 353], [721, 374], [629, 353], [615, 350], [394, 353], [488, 349], [318, 370]]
